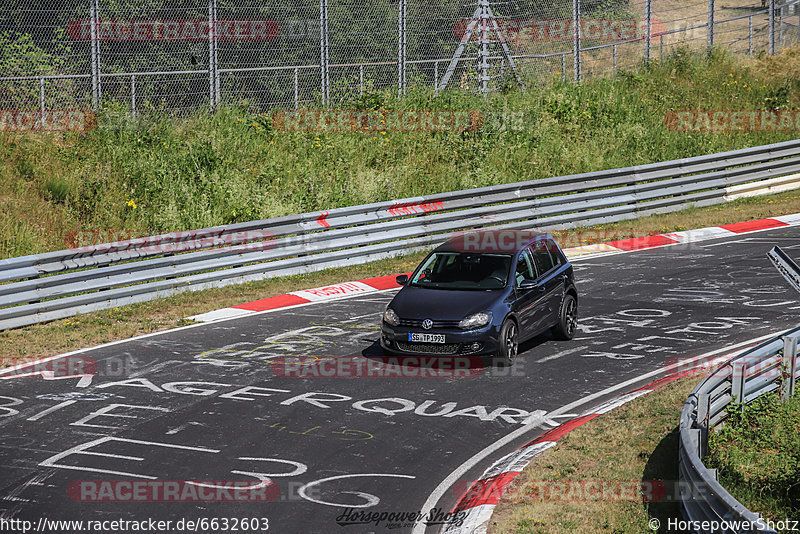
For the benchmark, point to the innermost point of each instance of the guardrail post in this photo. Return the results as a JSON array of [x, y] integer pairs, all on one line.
[[703, 408], [703, 421], [737, 381], [789, 367]]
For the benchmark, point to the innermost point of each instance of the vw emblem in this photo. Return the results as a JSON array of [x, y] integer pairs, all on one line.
[[427, 324]]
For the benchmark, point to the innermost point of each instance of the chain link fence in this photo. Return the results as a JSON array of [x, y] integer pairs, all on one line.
[[153, 56]]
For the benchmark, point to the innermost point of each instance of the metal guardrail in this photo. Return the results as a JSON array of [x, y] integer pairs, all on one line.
[[55, 285], [771, 366]]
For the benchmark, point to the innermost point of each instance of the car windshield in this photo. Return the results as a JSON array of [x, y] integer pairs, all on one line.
[[458, 270]]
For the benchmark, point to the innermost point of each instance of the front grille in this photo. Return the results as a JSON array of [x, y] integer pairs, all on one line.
[[417, 323], [428, 348]]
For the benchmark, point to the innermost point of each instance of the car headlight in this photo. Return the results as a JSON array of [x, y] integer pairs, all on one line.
[[390, 317], [476, 320]]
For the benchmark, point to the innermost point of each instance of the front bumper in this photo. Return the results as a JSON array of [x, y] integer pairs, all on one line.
[[479, 342]]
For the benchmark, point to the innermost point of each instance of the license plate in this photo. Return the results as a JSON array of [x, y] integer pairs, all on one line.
[[426, 338]]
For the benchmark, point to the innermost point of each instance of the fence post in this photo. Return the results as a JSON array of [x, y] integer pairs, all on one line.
[[789, 365], [213, 82], [401, 47], [41, 102], [750, 35], [614, 52], [647, 37], [710, 23], [95, 52], [780, 26], [133, 95], [323, 50], [296, 89], [484, 47], [772, 27], [361, 79], [576, 39]]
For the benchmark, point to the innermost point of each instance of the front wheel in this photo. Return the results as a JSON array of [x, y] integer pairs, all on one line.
[[508, 343], [567, 323]]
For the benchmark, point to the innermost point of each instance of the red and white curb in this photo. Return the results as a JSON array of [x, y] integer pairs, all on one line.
[[304, 296], [382, 283]]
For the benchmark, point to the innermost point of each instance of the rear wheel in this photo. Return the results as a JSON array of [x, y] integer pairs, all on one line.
[[567, 323], [508, 343]]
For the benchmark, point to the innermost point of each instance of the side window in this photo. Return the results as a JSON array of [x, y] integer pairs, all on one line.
[[542, 258], [553, 248], [525, 270]]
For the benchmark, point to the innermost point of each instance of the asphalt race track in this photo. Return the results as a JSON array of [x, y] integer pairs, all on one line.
[[212, 402]]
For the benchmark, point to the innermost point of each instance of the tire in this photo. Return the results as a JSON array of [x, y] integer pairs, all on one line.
[[567, 323], [509, 343]]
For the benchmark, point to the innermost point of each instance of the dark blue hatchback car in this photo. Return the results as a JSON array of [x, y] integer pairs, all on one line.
[[482, 293]]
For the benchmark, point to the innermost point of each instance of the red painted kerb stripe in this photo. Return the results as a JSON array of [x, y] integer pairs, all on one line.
[[751, 226]]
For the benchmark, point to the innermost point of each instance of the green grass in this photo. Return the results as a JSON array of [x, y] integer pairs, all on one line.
[[167, 174], [757, 453]]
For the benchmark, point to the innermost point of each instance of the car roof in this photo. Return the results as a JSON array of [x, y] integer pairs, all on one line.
[[488, 241]]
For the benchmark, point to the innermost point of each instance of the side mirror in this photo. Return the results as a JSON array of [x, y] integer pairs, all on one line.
[[525, 285], [401, 279]]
